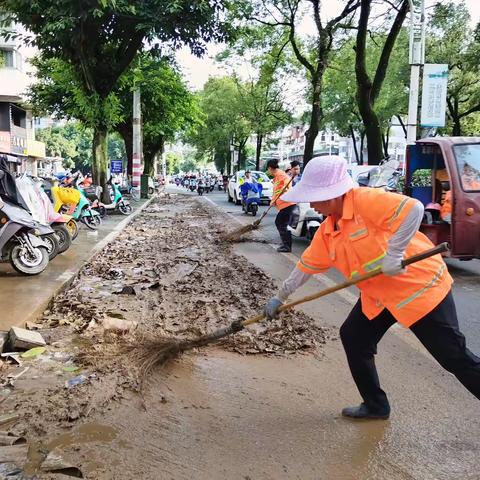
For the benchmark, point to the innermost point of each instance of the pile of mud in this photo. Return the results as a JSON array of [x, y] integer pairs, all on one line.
[[167, 274]]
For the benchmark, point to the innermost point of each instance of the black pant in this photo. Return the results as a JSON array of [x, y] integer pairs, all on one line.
[[283, 220], [439, 333]]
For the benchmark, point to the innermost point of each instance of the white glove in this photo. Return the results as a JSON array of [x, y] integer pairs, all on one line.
[[392, 265]]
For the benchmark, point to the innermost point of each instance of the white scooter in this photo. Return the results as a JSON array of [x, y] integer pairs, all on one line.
[[308, 222]]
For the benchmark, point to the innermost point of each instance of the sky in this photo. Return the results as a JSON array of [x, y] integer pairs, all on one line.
[[198, 70]]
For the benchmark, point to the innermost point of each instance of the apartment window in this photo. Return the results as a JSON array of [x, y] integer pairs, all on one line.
[[19, 117], [332, 138], [6, 57], [322, 138]]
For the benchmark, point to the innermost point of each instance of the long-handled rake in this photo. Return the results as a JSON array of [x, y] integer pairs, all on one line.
[[158, 351], [235, 235]]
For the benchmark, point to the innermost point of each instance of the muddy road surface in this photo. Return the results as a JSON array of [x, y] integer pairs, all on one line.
[[261, 405]]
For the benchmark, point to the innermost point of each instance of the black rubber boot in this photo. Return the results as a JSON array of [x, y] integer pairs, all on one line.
[[363, 412], [284, 249]]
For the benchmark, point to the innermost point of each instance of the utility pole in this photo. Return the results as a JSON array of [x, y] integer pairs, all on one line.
[[137, 140], [416, 60]]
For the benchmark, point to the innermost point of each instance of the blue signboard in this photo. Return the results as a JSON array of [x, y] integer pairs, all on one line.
[[116, 166]]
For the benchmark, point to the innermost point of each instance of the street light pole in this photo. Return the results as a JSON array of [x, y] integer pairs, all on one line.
[[416, 60]]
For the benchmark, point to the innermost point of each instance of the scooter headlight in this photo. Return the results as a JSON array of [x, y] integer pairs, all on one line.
[[36, 232]]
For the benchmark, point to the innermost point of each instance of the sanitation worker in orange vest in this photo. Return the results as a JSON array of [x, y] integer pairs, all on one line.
[[368, 229], [287, 211]]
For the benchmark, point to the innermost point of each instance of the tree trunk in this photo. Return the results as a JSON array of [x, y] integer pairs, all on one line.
[[362, 145], [259, 151], [355, 148], [100, 161], [315, 119], [457, 127], [368, 92], [150, 156]]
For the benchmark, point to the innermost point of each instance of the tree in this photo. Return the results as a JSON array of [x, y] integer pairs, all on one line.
[[168, 107], [225, 121], [314, 54], [340, 103], [368, 89], [263, 93], [98, 39], [173, 161], [451, 40]]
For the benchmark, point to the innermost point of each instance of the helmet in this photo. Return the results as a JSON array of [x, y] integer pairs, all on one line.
[[433, 206]]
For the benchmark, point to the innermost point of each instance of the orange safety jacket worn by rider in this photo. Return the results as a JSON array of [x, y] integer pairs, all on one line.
[[279, 181], [446, 208], [357, 243]]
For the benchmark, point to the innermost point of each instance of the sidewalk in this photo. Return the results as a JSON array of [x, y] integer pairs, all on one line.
[[24, 298]]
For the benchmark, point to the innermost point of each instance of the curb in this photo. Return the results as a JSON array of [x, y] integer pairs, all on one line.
[[71, 275]]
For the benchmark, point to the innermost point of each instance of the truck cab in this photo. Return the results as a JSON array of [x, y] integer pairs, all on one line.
[[450, 191]]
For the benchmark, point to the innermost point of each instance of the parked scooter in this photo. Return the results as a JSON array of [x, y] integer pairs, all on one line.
[[308, 222], [42, 211], [72, 202], [20, 243], [118, 202]]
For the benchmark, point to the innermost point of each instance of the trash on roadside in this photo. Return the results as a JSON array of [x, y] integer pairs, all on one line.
[[73, 382], [54, 463], [12, 376], [7, 418], [3, 340], [33, 326], [15, 356], [118, 325], [25, 339], [71, 368], [33, 352], [9, 439], [126, 290]]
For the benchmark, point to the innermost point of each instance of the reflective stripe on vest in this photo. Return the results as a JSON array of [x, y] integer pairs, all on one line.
[[399, 210], [314, 269], [374, 264], [427, 287]]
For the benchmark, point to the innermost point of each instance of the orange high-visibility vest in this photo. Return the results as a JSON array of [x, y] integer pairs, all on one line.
[[359, 241], [279, 181], [446, 208]]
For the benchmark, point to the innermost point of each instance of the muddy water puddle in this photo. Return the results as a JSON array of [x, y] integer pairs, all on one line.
[[220, 416], [87, 433]]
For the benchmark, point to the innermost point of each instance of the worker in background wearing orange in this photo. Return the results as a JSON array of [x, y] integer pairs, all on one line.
[[286, 210], [368, 229]]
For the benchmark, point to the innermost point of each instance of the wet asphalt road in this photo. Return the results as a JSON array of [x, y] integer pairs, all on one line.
[[465, 274]]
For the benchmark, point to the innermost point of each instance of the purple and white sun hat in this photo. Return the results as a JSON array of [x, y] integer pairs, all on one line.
[[324, 178]]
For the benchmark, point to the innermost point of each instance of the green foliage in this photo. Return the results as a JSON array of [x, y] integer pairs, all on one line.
[[341, 110], [71, 142], [169, 109], [173, 161], [94, 43], [224, 119], [451, 40]]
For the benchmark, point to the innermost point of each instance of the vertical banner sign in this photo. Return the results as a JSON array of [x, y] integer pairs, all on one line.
[[434, 95]]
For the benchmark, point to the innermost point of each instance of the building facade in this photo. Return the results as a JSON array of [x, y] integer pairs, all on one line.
[[17, 134]]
